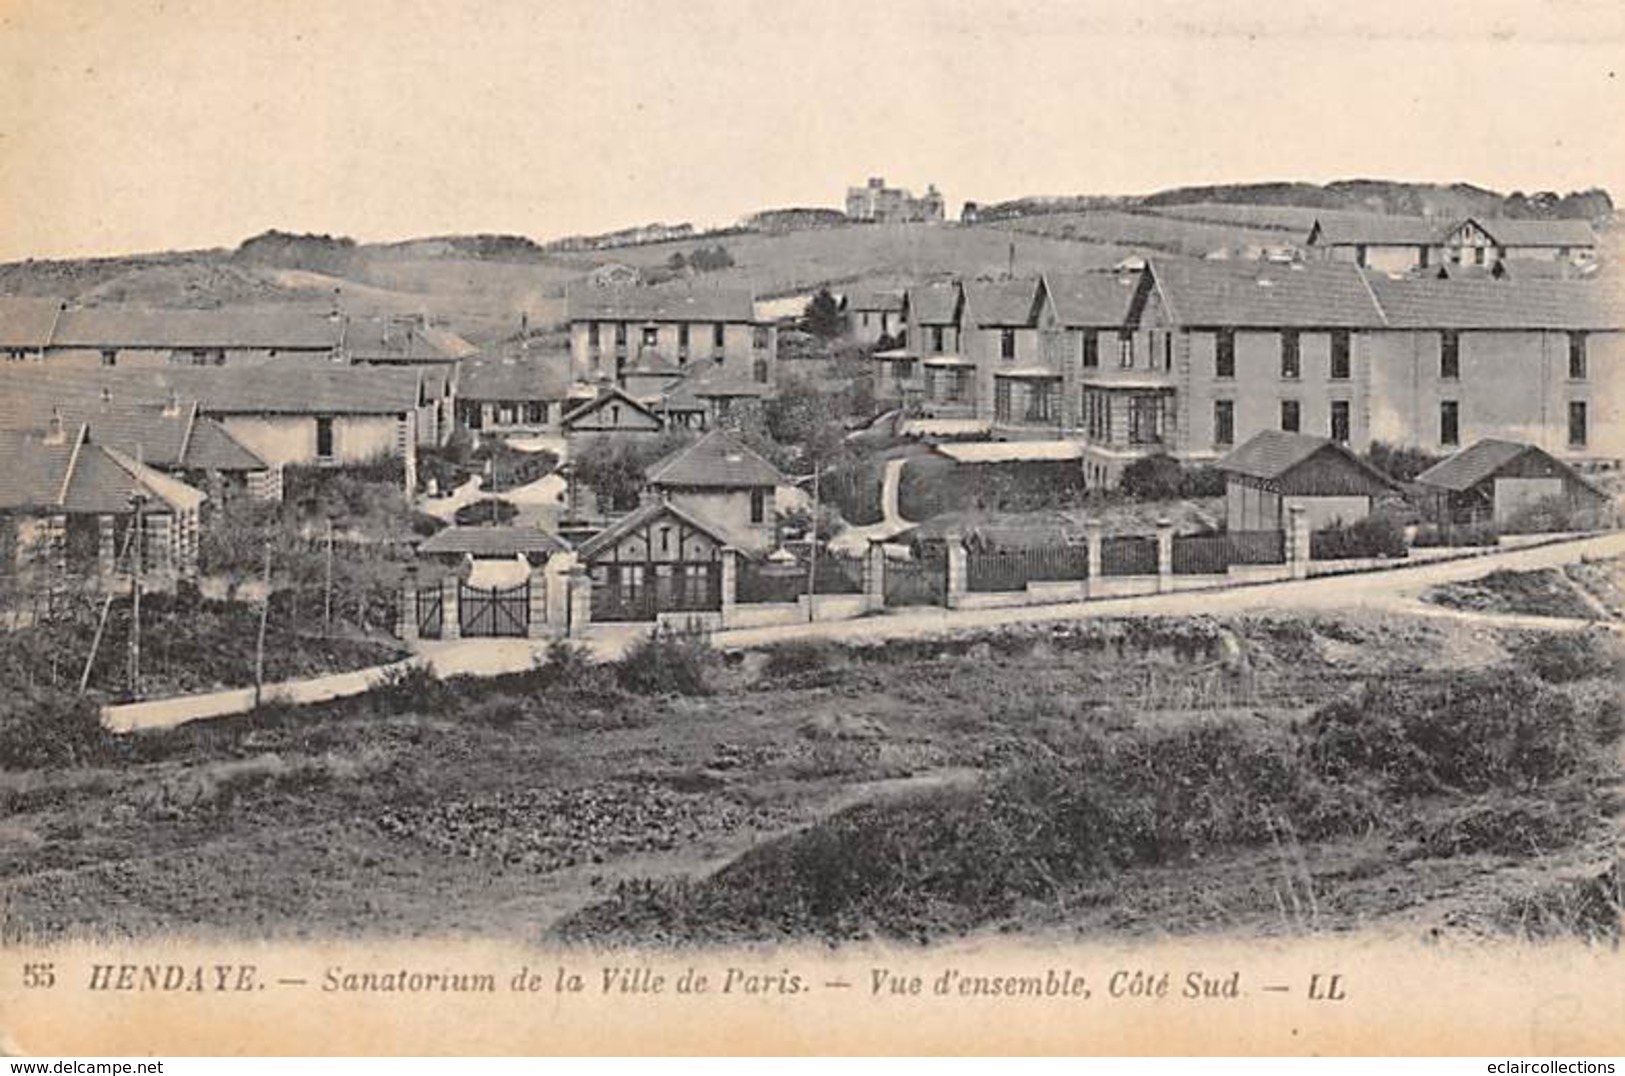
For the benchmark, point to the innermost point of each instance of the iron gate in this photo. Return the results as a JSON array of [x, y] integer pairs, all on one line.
[[431, 610], [918, 582], [622, 592], [494, 612]]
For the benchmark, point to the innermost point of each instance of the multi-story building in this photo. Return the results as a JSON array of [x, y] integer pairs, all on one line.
[[709, 330], [930, 371], [873, 314], [877, 203]]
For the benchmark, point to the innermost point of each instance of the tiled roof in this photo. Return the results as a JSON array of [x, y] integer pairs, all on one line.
[[492, 541], [78, 476], [648, 513], [1264, 294], [1430, 303], [886, 301], [166, 435], [606, 395], [933, 304], [1271, 454], [1483, 459], [660, 304], [542, 376], [292, 328], [1091, 299], [211, 448], [1509, 232], [719, 460], [277, 388], [1378, 231], [27, 323], [387, 340], [1004, 302]]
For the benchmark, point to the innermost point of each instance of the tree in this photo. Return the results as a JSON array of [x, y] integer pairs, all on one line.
[[823, 316], [1152, 478], [677, 263], [614, 467]]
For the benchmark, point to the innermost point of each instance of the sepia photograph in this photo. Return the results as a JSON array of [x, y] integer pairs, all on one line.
[[811, 528]]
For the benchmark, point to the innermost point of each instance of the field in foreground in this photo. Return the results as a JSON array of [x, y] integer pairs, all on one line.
[[1258, 775]]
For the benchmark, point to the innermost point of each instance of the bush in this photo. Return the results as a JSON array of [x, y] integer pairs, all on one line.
[[1562, 658], [1400, 463], [46, 727], [799, 659], [1552, 515], [485, 512], [571, 670], [1373, 536], [1163, 478], [1431, 535], [667, 662]]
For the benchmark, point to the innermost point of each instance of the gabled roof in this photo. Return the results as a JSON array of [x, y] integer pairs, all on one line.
[[1484, 459], [1264, 294], [872, 300], [633, 303], [27, 323], [1272, 454], [75, 475], [1376, 231], [386, 340], [1510, 232], [538, 376], [1091, 299], [1003, 302], [493, 542], [301, 388], [933, 304], [645, 515], [129, 325], [606, 395], [718, 460], [1528, 303]]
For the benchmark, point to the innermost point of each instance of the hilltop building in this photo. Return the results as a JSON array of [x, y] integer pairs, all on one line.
[[877, 203]]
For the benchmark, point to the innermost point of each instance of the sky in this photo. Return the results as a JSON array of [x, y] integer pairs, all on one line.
[[144, 125]]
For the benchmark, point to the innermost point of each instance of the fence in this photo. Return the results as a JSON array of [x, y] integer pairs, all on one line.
[[923, 581], [758, 583], [1013, 570], [1201, 554], [1128, 556], [1257, 547]]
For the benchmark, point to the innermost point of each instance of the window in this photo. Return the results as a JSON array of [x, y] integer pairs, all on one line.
[[936, 339], [620, 334], [1224, 422], [1125, 350], [1577, 424], [1167, 351], [903, 369], [1290, 416], [1091, 349], [651, 335], [1450, 422], [758, 506], [1224, 353], [505, 413], [717, 332], [682, 339], [1041, 403], [1007, 344], [1359, 256], [863, 319], [1449, 355], [758, 337], [109, 358], [1340, 355], [536, 413], [1097, 415], [1340, 421], [1577, 356], [1291, 355], [1001, 400], [758, 371], [1145, 420], [592, 334], [324, 438]]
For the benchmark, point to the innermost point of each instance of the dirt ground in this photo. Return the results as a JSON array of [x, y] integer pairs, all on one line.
[[488, 814]]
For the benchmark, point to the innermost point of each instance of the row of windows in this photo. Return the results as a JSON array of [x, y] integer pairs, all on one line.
[[650, 334], [1224, 421]]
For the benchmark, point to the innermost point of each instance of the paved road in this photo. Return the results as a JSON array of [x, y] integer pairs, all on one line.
[[1394, 590]]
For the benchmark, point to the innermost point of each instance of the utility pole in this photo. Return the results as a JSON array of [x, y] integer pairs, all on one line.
[[812, 552], [138, 500], [259, 643], [327, 592]]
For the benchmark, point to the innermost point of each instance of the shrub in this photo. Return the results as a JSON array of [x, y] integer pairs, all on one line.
[[46, 727], [1562, 658], [1400, 463], [487, 511], [1373, 536], [570, 669], [667, 662], [801, 658], [1430, 535], [1552, 515]]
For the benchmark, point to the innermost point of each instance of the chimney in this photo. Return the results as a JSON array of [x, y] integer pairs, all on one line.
[[54, 434]]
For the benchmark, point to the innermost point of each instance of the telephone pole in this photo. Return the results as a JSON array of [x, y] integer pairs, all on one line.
[[812, 551], [327, 592], [259, 642], [133, 673]]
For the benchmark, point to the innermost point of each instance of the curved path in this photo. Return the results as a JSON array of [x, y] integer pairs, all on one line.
[[854, 541], [1395, 590]]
